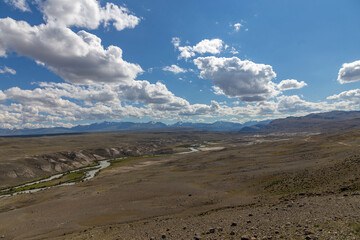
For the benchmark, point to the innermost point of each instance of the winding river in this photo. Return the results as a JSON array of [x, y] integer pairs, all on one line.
[[91, 173]]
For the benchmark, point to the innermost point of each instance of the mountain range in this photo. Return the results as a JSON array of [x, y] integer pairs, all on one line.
[[315, 122]]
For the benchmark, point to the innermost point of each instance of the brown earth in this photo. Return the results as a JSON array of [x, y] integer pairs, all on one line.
[[243, 187]]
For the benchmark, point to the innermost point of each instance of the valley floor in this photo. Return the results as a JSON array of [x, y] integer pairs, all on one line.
[[241, 187]]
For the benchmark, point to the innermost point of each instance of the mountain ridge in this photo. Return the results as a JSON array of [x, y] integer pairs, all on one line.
[[315, 122]]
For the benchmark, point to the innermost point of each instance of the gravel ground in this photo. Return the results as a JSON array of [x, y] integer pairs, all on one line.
[[331, 216]]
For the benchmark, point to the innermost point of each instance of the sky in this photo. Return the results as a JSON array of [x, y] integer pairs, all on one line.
[[64, 63]]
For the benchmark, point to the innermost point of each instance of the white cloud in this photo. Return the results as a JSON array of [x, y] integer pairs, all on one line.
[[289, 84], [350, 72], [213, 46], [76, 57], [174, 69], [63, 103], [295, 104], [351, 95], [236, 78], [201, 109], [175, 41], [186, 52], [2, 96], [7, 70], [237, 26], [86, 13], [217, 90], [59, 103], [19, 4], [148, 93], [234, 51]]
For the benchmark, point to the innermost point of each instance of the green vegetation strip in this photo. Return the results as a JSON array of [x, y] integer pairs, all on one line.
[[76, 175], [67, 178]]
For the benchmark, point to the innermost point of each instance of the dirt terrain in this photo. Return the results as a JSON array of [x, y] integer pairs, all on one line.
[[286, 186]]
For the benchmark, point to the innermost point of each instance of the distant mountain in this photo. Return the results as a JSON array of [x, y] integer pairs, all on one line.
[[315, 122], [117, 126], [216, 126], [120, 126]]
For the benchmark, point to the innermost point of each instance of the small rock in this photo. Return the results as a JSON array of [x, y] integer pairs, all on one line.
[[197, 238], [163, 236], [184, 228], [248, 221], [234, 224], [250, 215], [212, 230], [245, 237]]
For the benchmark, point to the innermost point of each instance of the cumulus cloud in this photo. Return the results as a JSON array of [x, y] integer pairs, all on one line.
[[351, 95], [19, 4], [289, 84], [350, 72], [295, 104], [237, 26], [7, 70], [174, 69], [81, 13], [148, 93], [87, 13], [76, 57], [63, 103], [236, 78], [213, 46]]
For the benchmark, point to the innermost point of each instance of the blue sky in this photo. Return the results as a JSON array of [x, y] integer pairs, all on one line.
[[64, 63]]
